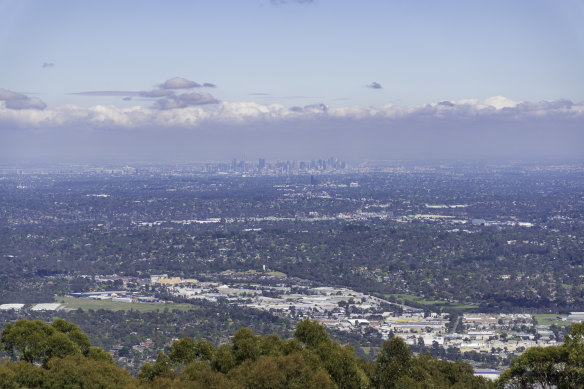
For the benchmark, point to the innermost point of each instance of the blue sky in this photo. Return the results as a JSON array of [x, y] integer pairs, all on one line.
[[289, 63]]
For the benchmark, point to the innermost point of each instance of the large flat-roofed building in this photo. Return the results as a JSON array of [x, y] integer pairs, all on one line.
[[46, 307], [8, 307], [576, 317]]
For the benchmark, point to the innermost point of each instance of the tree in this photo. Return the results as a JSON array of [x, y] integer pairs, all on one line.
[[200, 375], [271, 345], [67, 359], [161, 368], [187, 350], [289, 371], [37, 341], [553, 366], [394, 361], [311, 333], [223, 360], [245, 345], [76, 371], [21, 374], [538, 366], [183, 351]]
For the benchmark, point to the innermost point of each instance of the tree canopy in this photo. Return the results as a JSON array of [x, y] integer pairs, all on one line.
[[59, 355], [549, 367]]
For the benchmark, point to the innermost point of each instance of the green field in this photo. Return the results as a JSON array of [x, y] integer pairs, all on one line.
[[549, 319], [270, 273], [276, 274], [408, 298], [73, 303]]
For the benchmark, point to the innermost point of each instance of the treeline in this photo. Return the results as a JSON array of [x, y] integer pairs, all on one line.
[[120, 331], [59, 355]]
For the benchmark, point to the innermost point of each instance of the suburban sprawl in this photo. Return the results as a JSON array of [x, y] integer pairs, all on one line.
[[473, 263]]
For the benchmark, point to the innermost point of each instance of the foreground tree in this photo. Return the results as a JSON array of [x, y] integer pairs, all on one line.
[[187, 350], [396, 368], [393, 362], [37, 341], [67, 359], [310, 360], [549, 367]]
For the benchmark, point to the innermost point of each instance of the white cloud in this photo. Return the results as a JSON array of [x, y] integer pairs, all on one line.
[[489, 128], [190, 110]]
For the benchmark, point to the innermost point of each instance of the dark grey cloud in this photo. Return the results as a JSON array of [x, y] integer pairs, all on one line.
[[209, 85], [179, 83], [260, 94], [127, 98], [15, 100], [446, 103], [374, 85], [186, 100], [48, 65]]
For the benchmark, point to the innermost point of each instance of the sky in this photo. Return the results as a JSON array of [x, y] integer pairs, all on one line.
[[284, 79]]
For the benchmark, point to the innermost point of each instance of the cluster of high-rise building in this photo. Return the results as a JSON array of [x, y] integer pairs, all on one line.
[[276, 167]]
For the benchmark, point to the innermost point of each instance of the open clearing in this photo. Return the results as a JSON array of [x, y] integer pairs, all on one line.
[[408, 298], [549, 319], [73, 303]]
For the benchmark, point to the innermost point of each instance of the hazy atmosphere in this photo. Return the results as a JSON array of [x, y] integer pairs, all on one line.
[[143, 80]]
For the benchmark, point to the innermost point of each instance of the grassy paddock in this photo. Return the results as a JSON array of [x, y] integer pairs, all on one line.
[[73, 303], [408, 298], [549, 319]]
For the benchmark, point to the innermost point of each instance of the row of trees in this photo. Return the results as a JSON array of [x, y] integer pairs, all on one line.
[[59, 355]]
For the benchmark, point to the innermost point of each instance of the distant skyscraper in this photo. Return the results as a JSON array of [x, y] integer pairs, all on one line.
[[261, 164]]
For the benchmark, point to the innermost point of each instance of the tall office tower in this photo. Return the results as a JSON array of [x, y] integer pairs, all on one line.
[[261, 164]]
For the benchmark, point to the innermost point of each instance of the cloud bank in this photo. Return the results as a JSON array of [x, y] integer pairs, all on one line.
[[198, 126], [188, 113]]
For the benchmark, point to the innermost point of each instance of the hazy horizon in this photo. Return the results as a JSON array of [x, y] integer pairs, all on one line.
[[291, 80]]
